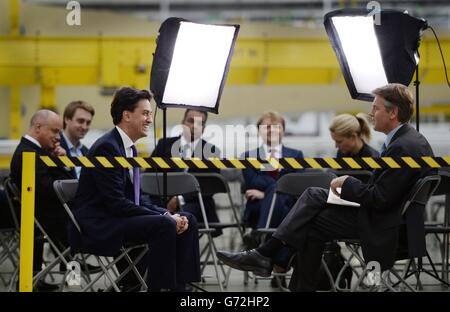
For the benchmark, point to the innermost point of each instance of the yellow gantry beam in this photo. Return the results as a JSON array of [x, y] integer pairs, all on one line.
[[111, 62], [114, 61]]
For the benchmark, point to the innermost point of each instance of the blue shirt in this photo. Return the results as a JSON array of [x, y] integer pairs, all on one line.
[[390, 135], [74, 151]]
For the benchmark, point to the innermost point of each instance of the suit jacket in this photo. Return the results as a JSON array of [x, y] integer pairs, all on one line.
[[104, 198], [261, 180], [382, 198], [165, 146], [366, 151], [84, 151], [49, 211], [203, 149], [257, 211]]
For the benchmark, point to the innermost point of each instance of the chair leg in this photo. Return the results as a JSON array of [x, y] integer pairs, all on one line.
[[213, 253]]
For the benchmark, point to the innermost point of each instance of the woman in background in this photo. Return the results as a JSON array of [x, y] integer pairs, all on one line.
[[351, 135]]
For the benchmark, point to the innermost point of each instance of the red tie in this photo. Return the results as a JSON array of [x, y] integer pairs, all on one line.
[[274, 173]]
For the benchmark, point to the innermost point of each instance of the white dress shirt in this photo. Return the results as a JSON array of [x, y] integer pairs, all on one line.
[[127, 144]]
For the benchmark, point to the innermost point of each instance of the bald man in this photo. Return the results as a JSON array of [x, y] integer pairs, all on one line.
[[43, 138]]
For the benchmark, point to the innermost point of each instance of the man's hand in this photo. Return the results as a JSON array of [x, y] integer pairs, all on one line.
[[337, 182], [182, 223], [254, 194], [58, 150], [172, 205]]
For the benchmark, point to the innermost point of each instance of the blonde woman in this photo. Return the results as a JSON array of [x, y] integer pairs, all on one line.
[[351, 135]]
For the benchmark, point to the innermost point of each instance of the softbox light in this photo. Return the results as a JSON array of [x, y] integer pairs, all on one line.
[[374, 50], [191, 63]]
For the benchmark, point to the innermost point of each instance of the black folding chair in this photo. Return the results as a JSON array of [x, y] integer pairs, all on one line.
[[295, 184], [61, 253], [183, 183], [66, 191], [418, 197], [9, 236]]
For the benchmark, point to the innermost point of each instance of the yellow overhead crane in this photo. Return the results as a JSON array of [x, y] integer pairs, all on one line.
[[114, 61]]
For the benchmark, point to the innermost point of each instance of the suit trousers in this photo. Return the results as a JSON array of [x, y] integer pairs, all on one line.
[[172, 259], [308, 226]]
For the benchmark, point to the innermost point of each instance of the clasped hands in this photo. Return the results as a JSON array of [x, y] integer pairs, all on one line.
[[182, 222]]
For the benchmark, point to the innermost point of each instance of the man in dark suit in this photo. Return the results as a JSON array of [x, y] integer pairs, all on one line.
[[260, 184], [77, 120], [377, 222], [187, 145], [43, 138], [111, 211]]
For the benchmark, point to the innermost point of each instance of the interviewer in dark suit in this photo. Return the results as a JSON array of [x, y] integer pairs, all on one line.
[[43, 138], [312, 222], [111, 211]]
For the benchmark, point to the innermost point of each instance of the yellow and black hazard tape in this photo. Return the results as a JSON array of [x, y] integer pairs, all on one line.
[[159, 163]]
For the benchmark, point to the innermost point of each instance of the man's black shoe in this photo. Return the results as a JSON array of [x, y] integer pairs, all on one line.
[[42, 286], [247, 261]]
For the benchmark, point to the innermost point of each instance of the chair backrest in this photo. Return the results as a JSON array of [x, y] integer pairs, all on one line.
[[178, 183], [13, 198], [422, 191], [296, 183], [444, 185], [212, 183], [362, 175], [66, 191]]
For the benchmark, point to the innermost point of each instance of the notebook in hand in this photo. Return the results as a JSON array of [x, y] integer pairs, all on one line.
[[336, 200]]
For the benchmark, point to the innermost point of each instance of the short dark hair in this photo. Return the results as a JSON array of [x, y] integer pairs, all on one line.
[[72, 107], [126, 99], [396, 94], [190, 109]]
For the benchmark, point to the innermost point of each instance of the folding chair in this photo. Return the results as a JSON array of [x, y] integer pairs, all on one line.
[[66, 191], [295, 184], [183, 183], [9, 237], [436, 227], [419, 196], [212, 184], [14, 201]]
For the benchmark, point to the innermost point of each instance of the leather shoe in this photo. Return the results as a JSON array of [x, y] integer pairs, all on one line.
[[42, 286], [250, 260]]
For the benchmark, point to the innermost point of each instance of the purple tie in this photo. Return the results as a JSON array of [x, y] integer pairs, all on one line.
[[136, 179]]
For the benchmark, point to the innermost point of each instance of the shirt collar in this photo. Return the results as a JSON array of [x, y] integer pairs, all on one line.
[[268, 149], [32, 140], [127, 142], [69, 143], [391, 134]]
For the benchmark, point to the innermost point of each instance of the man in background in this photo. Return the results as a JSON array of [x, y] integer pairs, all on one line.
[[77, 120]]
